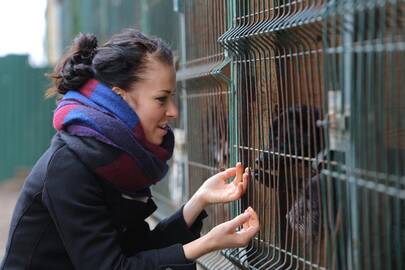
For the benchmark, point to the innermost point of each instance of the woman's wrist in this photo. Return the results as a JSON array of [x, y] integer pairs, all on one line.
[[198, 197], [198, 248], [193, 208]]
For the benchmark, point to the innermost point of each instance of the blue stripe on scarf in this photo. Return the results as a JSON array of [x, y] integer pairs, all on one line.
[[78, 113]]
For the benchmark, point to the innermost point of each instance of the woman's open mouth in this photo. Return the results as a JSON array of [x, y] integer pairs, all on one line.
[[164, 127]]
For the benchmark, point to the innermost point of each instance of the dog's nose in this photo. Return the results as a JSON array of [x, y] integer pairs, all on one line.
[[258, 162]]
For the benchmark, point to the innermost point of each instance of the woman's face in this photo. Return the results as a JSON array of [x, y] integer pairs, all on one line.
[[152, 99]]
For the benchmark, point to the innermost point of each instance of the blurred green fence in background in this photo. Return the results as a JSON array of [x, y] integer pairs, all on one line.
[[25, 115], [106, 17], [102, 18]]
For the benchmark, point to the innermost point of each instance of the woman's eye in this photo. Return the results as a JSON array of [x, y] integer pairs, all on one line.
[[162, 99]]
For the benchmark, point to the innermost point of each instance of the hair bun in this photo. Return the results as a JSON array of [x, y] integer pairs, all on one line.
[[76, 67], [86, 45]]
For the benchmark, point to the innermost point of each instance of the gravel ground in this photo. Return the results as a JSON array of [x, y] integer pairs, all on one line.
[[9, 191]]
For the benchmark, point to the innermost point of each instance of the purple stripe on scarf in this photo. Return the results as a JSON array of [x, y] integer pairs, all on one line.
[[105, 97]]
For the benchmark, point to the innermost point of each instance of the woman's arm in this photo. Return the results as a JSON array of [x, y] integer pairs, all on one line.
[[181, 227], [193, 208], [225, 235], [82, 218], [175, 229], [216, 189]]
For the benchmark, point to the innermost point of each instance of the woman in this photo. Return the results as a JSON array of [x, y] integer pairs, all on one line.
[[84, 203]]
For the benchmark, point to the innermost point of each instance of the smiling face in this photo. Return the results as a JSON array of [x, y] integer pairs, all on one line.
[[152, 99]]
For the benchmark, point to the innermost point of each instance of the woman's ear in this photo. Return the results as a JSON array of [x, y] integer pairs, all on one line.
[[123, 94], [119, 91]]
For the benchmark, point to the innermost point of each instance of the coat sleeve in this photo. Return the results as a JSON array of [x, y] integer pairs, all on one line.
[[174, 229], [76, 205]]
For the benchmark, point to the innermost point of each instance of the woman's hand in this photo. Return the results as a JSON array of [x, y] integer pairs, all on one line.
[[216, 189], [225, 235]]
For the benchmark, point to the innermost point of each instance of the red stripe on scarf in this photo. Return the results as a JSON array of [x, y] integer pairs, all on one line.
[[59, 118], [124, 174], [89, 87], [161, 153]]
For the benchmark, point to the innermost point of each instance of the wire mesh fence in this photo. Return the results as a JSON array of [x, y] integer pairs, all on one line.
[[309, 94], [276, 57], [364, 187]]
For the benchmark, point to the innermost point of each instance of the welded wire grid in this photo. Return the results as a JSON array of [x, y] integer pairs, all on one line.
[[207, 138], [277, 57], [312, 104], [364, 189], [203, 78]]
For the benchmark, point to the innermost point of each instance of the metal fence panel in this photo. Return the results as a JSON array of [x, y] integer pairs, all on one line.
[[308, 94], [25, 115], [364, 58], [280, 100]]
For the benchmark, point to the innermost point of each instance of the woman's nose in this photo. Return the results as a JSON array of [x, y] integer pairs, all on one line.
[[172, 110]]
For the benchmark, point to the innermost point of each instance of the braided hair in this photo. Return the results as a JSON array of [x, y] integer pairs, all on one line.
[[119, 62]]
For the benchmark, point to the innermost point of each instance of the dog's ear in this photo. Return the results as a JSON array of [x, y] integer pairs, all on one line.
[[320, 157]]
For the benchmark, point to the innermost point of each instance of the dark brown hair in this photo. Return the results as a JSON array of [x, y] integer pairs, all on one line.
[[119, 62]]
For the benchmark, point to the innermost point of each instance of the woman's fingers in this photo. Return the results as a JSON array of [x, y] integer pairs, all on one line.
[[238, 221], [240, 182], [253, 214], [234, 171], [228, 173], [237, 192], [226, 234], [249, 228], [245, 179], [253, 221], [254, 225], [239, 171], [245, 225], [247, 220], [249, 232]]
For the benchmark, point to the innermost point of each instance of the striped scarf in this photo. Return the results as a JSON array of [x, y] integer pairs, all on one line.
[[121, 155]]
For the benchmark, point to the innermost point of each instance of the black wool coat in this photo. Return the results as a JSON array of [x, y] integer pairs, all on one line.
[[68, 218]]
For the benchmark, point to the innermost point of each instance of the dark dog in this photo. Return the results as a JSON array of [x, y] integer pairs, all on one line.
[[293, 136], [304, 215], [294, 133]]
